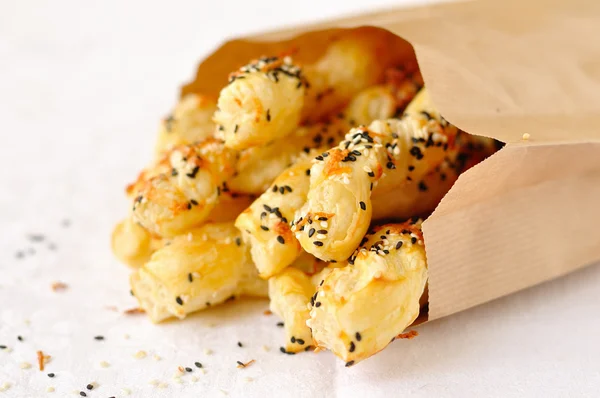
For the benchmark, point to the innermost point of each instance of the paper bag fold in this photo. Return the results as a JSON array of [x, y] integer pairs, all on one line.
[[529, 213]]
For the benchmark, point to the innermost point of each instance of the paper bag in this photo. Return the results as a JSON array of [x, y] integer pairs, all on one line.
[[529, 213]]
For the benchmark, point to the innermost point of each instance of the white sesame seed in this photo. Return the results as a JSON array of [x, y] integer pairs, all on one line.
[[177, 379], [320, 236], [50, 389], [162, 385], [25, 365], [196, 275], [324, 224], [153, 382], [5, 386], [367, 169], [125, 391], [140, 354], [526, 136], [156, 357], [104, 364], [208, 352], [266, 348], [194, 379]]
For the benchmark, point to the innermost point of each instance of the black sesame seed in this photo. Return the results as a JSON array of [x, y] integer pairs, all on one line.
[[352, 347], [20, 338], [411, 167], [390, 165], [318, 304], [322, 231], [363, 205], [194, 202], [358, 336], [321, 284], [293, 339], [280, 239], [190, 277], [189, 206], [83, 394], [319, 157], [274, 188], [267, 208], [239, 343], [311, 232], [350, 363], [280, 324], [413, 240], [240, 363], [179, 300], [263, 214], [198, 364], [398, 245], [264, 227], [300, 341], [422, 186], [281, 190], [317, 243], [89, 387], [238, 241], [174, 172], [188, 369], [307, 172], [193, 173], [50, 374], [288, 188], [443, 177], [282, 350]]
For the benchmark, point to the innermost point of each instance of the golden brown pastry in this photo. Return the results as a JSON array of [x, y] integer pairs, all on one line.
[[203, 267], [191, 121], [358, 309], [350, 64], [265, 224], [262, 102], [132, 244], [229, 206], [382, 157], [290, 293], [180, 191]]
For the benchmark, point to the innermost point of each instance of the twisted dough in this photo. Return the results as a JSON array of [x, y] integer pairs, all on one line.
[[265, 224], [191, 121], [203, 267], [338, 206], [358, 309], [132, 244], [180, 190], [263, 101]]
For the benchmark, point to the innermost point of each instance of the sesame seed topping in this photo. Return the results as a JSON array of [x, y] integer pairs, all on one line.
[[352, 347], [280, 239], [358, 336], [363, 205], [317, 243], [179, 300], [311, 232], [264, 227]]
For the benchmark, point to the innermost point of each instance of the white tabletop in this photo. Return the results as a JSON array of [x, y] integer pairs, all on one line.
[[82, 88]]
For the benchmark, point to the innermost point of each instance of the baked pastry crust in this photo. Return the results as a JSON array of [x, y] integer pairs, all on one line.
[[358, 309], [203, 267]]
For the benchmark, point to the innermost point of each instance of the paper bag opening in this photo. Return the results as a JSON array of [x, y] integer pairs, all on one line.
[[530, 212]]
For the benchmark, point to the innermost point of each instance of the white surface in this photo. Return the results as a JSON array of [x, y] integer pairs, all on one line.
[[82, 88]]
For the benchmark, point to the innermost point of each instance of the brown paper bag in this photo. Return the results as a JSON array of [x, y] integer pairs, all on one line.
[[531, 212]]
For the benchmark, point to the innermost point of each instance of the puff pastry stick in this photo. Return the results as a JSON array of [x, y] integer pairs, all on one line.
[[349, 65], [265, 224], [262, 102], [343, 178], [132, 244], [360, 308], [180, 191], [290, 293], [203, 267], [190, 121]]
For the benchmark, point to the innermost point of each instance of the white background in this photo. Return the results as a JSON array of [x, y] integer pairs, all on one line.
[[82, 88]]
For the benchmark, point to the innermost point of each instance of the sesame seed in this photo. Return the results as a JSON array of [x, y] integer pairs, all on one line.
[[398, 245], [179, 300], [264, 227], [89, 387], [188, 369], [352, 347], [321, 236], [358, 336], [324, 224], [413, 240], [198, 364], [311, 232], [317, 243], [350, 363], [280, 239], [83, 394], [318, 304], [99, 338], [280, 324], [51, 375], [363, 205]]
